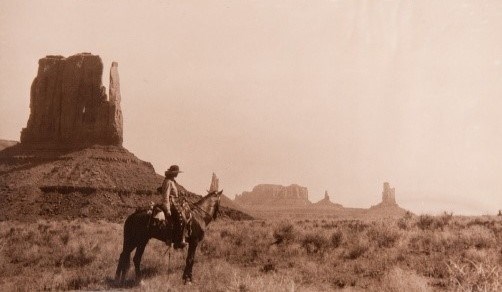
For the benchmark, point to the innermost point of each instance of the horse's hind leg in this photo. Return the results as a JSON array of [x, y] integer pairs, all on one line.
[[137, 260], [124, 263]]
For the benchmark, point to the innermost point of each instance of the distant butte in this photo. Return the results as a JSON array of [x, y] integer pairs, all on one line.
[[388, 206], [267, 200], [388, 196]]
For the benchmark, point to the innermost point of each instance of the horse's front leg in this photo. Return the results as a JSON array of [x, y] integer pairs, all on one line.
[[187, 273]]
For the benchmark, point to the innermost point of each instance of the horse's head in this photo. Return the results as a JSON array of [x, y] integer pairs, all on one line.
[[215, 196]]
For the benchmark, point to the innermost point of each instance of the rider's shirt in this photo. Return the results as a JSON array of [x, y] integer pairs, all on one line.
[[168, 189]]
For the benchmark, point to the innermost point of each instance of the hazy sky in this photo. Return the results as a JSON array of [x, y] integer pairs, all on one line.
[[331, 95]]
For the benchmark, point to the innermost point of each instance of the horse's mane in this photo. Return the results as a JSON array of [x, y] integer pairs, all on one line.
[[200, 205]]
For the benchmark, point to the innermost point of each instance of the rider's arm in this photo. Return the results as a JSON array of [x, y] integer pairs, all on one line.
[[166, 195]]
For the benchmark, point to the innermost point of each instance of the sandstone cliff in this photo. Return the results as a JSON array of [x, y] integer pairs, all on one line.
[[69, 106], [274, 195]]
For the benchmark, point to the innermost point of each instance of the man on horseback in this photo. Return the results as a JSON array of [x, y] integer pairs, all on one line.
[[171, 194]]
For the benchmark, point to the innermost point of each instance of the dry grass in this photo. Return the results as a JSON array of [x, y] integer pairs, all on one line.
[[410, 254]]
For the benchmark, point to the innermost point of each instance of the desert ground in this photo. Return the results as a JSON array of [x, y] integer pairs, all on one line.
[[411, 253]]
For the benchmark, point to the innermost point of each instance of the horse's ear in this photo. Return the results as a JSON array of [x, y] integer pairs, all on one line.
[[220, 192]]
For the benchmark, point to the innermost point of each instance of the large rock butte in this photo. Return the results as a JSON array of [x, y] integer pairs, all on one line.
[[71, 162], [268, 194], [69, 105]]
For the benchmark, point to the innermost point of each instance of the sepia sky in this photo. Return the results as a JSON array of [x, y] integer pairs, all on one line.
[[331, 95]]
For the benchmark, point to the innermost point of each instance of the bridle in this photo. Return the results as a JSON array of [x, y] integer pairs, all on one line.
[[192, 205]]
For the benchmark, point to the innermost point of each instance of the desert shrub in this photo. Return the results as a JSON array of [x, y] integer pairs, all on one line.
[[445, 219], [479, 221], [340, 281], [314, 243], [357, 226], [207, 247], [79, 259], [336, 239], [224, 233], [356, 250], [239, 256], [477, 255], [65, 237], [329, 225], [425, 222], [403, 223], [428, 222], [433, 241], [268, 267], [479, 237], [79, 282], [475, 276], [383, 236], [397, 280], [284, 233]]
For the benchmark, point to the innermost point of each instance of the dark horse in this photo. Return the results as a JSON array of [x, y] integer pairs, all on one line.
[[139, 228]]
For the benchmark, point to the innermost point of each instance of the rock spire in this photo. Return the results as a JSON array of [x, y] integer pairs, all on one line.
[[214, 183], [388, 195]]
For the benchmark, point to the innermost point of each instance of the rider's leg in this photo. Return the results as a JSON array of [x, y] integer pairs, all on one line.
[[165, 209], [178, 221], [167, 215]]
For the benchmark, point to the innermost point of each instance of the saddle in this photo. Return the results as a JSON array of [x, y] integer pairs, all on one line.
[[159, 221], [157, 215]]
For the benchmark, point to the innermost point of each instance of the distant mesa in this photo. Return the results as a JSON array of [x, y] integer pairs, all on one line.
[[326, 202], [69, 105], [274, 195], [270, 201]]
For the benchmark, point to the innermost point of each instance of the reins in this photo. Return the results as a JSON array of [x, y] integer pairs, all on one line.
[[198, 208]]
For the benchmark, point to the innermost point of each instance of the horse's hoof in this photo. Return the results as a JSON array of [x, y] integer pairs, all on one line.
[[187, 282], [141, 283]]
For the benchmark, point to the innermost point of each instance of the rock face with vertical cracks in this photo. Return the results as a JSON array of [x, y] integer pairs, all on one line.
[[275, 195], [69, 105]]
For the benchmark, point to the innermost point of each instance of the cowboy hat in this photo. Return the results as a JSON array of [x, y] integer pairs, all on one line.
[[173, 169]]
